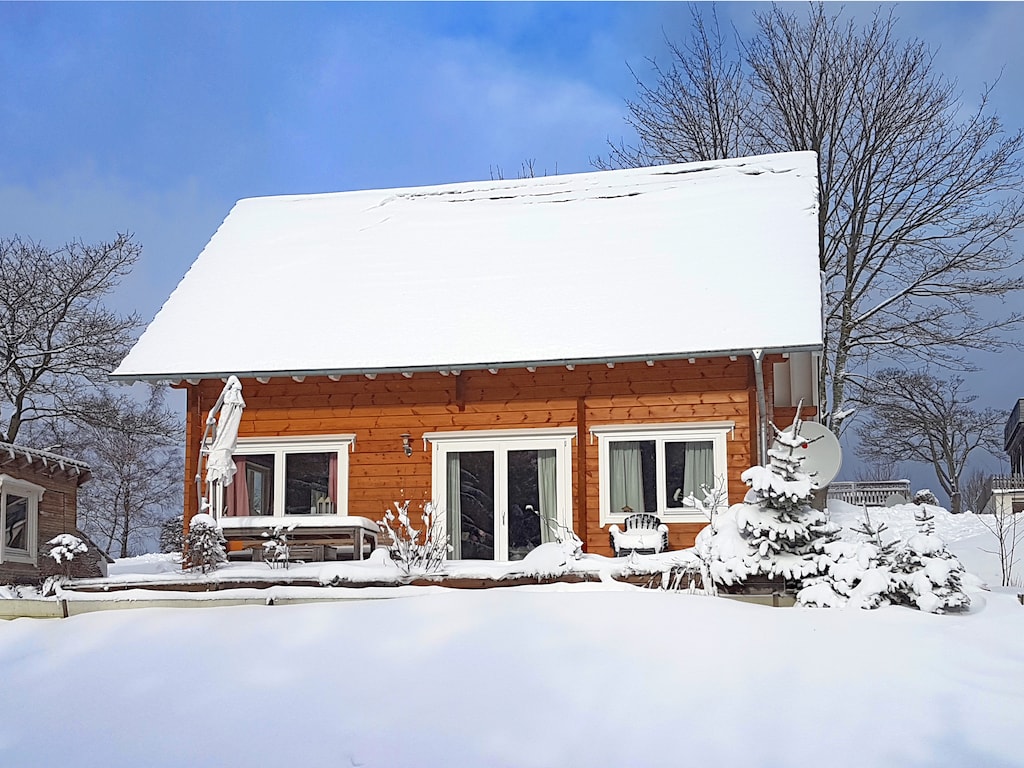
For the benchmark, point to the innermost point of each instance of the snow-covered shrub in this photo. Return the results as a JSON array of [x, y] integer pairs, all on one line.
[[711, 505], [925, 496], [63, 549], [919, 573], [411, 553], [275, 549], [172, 534], [775, 532], [931, 576], [205, 547], [571, 545], [859, 574]]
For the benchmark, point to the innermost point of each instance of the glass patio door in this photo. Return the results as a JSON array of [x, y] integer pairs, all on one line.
[[502, 498]]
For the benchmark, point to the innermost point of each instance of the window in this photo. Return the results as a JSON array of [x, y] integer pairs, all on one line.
[[655, 467], [503, 492], [293, 476], [19, 515]]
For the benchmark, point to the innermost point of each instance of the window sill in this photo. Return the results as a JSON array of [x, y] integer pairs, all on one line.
[[24, 558]]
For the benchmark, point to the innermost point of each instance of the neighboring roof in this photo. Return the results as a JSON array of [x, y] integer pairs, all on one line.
[[671, 261], [44, 461]]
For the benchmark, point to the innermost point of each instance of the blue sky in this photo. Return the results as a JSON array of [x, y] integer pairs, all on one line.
[[155, 118]]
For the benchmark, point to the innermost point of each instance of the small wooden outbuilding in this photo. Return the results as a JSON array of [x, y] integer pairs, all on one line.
[[38, 501]]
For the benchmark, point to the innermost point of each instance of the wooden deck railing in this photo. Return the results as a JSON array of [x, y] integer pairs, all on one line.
[[1006, 483], [873, 494]]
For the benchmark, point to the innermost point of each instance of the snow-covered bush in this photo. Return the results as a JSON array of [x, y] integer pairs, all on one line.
[[172, 534], [775, 532], [925, 496], [63, 549], [931, 576], [411, 553], [859, 573], [275, 549], [205, 547], [570, 544], [711, 505], [920, 572]]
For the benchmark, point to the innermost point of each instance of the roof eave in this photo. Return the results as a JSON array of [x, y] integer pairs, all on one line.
[[482, 366]]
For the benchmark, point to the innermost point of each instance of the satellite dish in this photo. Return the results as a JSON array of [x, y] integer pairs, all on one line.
[[822, 455], [895, 500]]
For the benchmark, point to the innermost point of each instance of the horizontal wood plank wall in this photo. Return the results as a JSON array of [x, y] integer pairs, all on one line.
[[378, 412]]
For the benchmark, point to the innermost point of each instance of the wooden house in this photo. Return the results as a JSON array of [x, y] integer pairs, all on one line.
[[528, 354], [38, 501]]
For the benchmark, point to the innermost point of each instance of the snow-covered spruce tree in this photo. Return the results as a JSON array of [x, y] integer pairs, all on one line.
[[860, 573], [205, 547], [919, 573], [775, 532], [931, 577]]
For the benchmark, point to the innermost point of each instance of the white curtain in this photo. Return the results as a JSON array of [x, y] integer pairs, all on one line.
[[546, 482], [454, 511], [626, 476], [698, 467]]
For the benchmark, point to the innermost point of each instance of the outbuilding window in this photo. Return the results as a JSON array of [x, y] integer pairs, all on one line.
[[19, 520]]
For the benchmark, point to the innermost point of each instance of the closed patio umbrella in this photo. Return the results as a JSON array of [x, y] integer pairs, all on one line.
[[220, 467]]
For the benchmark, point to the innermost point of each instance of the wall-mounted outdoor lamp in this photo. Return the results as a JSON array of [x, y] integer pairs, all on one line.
[[407, 443]]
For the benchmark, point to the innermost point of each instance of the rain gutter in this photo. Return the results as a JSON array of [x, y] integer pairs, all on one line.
[[456, 368], [762, 407]]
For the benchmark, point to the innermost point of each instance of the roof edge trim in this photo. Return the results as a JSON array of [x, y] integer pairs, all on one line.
[[743, 352]]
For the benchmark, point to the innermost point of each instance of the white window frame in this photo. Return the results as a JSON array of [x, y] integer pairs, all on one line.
[[717, 433], [280, 447], [558, 439], [18, 487]]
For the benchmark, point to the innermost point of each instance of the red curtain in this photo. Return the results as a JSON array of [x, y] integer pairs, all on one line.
[[238, 492], [332, 482]]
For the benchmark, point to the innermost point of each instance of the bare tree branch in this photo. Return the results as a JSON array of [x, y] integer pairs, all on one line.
[[55, 333], [915, 416], [918, 205]]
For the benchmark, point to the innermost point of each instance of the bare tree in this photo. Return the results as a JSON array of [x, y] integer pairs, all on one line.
[[134, 449], [1005, 526], [974, 489], [879, 471], [915, 416], [918, 199], [56, 337]]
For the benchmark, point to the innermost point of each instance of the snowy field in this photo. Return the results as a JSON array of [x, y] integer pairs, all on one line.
[[586, 675]]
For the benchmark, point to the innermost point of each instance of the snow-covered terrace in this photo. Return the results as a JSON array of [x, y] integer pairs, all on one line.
[[639, 264]]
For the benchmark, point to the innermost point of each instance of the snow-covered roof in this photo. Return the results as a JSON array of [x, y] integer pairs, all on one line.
[[673, 261], [45, 460]]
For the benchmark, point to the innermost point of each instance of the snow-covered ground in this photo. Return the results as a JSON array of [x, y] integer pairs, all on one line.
[[570, 675]]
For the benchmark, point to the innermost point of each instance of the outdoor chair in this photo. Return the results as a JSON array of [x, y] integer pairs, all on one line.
[[644, 534]]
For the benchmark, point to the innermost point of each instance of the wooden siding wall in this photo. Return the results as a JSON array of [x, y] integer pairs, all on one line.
[[379, 411], [57, 514]]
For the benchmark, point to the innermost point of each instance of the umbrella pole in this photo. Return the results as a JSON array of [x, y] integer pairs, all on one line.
[[211, 425]]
